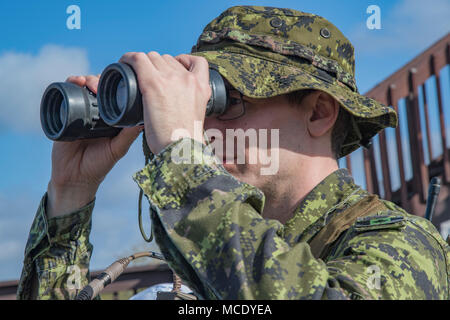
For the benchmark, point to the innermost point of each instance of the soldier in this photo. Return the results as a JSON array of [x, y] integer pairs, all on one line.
[[305, 232]]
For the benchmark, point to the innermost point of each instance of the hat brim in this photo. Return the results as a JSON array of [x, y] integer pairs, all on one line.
[[261, 78]]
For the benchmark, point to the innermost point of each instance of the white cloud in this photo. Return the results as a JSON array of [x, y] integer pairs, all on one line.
[[410, 25], [24, 77]]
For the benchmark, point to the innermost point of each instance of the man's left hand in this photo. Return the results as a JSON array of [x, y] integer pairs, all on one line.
[[175, 91]]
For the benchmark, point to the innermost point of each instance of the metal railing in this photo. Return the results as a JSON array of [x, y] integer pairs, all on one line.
[[405, 84]]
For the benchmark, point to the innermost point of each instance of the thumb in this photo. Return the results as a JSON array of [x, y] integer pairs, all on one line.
[[122, 142]]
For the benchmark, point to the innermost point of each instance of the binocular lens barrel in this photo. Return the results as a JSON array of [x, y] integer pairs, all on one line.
[[120, 101], [54, 114], [218, 102], [69, 112], [119, 98]]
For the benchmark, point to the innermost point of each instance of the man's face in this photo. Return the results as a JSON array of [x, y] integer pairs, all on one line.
[[264, 160]]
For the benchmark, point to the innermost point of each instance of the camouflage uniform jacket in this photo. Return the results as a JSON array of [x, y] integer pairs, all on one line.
[[210, 229]]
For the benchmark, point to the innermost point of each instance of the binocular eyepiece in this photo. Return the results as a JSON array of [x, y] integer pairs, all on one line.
[[70, 112]]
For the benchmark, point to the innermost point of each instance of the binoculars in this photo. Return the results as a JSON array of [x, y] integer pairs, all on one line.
[[70, 112]]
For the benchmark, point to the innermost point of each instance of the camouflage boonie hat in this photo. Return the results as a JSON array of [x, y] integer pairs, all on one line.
[[265, 51]]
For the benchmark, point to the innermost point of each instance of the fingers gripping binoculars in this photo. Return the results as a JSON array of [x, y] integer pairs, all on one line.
[[70, 112]]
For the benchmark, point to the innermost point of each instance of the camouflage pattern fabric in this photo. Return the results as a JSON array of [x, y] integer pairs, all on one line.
[[265, 51], [58, 252], [209, 228]]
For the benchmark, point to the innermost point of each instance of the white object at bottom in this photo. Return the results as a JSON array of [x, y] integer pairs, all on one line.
[[150, 293]]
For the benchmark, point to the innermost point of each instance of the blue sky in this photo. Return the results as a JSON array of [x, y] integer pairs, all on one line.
[[36, 48]]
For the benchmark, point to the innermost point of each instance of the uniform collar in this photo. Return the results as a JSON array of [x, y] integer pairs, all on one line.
[[332, 190]]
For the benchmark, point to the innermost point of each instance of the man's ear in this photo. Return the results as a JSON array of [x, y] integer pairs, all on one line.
[[322, 113]]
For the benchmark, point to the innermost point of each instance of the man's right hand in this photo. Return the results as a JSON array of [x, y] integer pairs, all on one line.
[[78, 167]]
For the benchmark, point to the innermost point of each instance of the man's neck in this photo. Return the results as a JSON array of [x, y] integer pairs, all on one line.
[[285, 195]]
